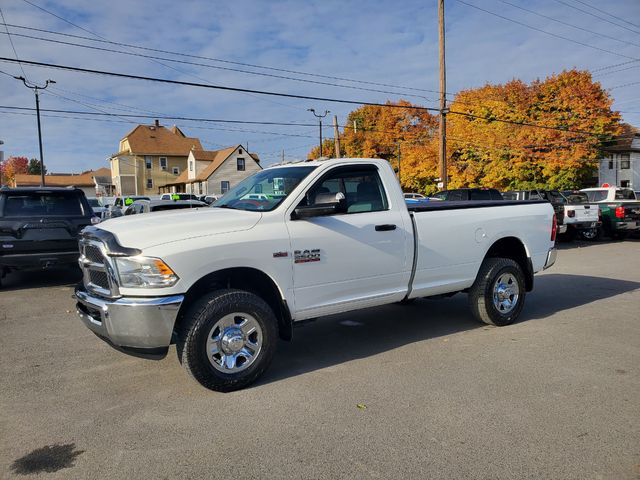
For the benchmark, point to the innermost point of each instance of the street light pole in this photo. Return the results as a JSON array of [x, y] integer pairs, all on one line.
[[35, 89], [319, 117]]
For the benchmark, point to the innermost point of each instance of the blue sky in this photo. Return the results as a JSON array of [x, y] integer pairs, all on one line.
[[394, 43]]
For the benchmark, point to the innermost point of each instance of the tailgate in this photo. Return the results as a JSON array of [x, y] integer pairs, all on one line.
[[586, 213], [39, 235], [631, 212]]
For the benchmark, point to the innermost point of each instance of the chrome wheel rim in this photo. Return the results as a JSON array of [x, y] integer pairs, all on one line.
[[589, 234], [234, 342], [506, 292]]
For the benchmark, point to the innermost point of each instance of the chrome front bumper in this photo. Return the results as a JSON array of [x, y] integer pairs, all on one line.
[[551, 258], [135, 323]]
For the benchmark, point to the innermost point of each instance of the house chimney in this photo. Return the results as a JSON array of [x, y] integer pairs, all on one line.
[[157, 122]]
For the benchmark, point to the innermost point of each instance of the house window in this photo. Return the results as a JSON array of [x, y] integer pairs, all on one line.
[[240, 164], [624, 183], [190, 166], [163, 163], [147, 162], [149, 183], [610, 164], [224, 186], [176, 170], [625, 161], [240, 151]]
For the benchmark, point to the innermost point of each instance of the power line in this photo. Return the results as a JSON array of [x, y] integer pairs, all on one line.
[[205, 85], [547, 32], [625, 85], [568, 24], [167, 117], [597, 16], [13, 47], [237, 70], [213, 59], [289, 95], [608, 67], [607, 13]]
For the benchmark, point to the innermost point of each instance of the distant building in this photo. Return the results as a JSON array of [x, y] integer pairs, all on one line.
[[88, 181], [621, 164], [149, 157], [213, 172]]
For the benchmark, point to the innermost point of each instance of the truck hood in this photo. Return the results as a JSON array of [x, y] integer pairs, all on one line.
[[150, 229]]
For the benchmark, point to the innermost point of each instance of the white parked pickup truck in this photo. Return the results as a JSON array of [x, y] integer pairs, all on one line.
[[224, 282]]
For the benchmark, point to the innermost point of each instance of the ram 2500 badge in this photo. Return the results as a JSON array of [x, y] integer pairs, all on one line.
[[225, 282]]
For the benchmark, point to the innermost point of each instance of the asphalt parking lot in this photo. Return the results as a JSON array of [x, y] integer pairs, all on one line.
[[418, 391]]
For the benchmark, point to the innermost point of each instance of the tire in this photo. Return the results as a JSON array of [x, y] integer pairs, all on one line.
[[591, 234], [241, 331], [505, 309]]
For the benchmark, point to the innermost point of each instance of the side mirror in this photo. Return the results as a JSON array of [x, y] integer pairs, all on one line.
[[325, 204]]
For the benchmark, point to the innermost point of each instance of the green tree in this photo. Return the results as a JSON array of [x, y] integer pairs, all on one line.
[[34, 167]]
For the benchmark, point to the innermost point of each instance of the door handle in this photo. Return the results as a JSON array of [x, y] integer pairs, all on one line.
[[385, 228]]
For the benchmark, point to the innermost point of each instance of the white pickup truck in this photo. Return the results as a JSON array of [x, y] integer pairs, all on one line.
[[320, 238]]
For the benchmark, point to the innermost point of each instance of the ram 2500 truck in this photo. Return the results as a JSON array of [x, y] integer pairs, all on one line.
[[320, 238]]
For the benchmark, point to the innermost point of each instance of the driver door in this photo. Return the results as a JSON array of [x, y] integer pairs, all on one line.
[[352, 259]]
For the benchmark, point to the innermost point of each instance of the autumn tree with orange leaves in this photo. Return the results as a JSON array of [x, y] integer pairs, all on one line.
[[568, 115]]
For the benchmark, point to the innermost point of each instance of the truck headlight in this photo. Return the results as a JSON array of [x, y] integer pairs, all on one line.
[[144, 272]]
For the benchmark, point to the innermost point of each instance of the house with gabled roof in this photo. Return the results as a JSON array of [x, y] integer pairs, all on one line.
[[620, 165], [89, 182], [149, 157], [214, 172]]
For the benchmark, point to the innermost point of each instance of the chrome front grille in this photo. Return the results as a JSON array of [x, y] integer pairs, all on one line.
[[97, 269]]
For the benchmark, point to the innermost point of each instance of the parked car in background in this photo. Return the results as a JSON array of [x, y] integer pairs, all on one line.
[[414, 196], [209, 199], [98, 207], [581, 217], [554, 197], [39, 227], [620, 210], [463, 194], [149, 206], [120, 203], [178, 196]]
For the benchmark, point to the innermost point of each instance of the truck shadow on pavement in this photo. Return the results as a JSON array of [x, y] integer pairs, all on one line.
[[341, 338], [58, 277]]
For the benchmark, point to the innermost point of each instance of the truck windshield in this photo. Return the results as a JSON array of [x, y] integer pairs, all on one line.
[[265, 190]]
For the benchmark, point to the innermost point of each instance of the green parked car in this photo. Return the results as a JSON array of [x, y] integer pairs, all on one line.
[[620, 210]]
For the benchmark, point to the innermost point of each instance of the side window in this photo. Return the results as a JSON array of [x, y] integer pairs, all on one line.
[[456, 195], [362, 189], [480, 195]]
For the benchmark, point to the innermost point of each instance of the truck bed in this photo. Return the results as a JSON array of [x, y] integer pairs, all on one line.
[[457, 205]]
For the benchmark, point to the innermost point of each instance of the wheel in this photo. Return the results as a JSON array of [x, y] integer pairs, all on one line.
[[497, 295], [227, 339], [591, 234]]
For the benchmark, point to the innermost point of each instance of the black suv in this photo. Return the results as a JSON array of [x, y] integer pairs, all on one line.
[[463, 194], [39, 227]]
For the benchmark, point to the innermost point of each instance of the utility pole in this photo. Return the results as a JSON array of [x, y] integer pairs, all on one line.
[[36, 88], [319, 117], [1, 161], [399, 170], [443, 98], [283, 155], [336, 135]]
